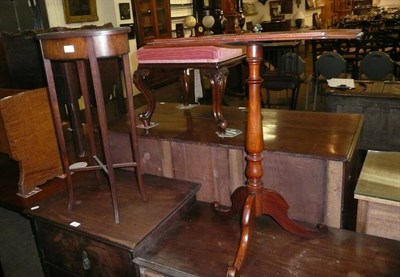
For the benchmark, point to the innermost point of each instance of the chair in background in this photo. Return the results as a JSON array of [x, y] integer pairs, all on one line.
[[320, 46], [287, 74], [329, 65], [377, 65]]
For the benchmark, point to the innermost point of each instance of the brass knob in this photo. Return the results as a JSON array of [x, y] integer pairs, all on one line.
[[85, 260]]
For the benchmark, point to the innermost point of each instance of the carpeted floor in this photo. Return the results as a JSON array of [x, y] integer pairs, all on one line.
[[18, 252]]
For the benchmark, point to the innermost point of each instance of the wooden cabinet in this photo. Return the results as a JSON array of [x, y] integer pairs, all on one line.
[[379, 103], [335, 10], [153, 20], [85, 241], [66, 251]]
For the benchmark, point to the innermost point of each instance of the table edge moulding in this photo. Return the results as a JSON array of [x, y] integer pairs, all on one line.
[[253, 200], [90, 45]]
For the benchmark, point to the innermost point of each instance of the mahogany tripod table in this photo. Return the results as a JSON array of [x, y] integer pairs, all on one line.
[[254, 199]]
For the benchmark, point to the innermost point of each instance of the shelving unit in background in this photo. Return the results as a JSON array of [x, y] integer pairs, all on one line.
[[180, 9], [152, 20]]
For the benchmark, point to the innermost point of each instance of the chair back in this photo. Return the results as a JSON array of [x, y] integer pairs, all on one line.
[[320, 46], [293, 64], [330, 65], [377, 65]]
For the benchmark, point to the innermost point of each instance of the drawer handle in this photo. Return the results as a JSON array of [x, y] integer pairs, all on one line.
[[85, 260]]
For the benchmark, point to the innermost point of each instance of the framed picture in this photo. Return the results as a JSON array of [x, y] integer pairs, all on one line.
[[80, 11], [249, 9], [124, 11]]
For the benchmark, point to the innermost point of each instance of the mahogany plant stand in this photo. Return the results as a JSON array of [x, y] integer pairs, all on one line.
[[92, 45]]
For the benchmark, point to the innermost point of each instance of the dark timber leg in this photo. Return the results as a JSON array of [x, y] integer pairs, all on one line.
[[139, 80], [218, 79], [258, 201], [187, 85]]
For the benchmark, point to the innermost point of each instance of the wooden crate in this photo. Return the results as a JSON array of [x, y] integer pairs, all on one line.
[[27, 135]]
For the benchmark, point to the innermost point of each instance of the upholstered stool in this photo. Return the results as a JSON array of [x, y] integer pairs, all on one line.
[[91, 45], [214, 61]]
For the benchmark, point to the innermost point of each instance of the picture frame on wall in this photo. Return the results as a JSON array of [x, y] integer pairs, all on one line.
[[124, 11], [249, 9], [76, 11]]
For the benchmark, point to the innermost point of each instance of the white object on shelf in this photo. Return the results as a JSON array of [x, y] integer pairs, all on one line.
[[341, 83]]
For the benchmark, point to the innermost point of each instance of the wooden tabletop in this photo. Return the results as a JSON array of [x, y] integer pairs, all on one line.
[[385, 89], [314, 134], [379, 180], [259, 37]]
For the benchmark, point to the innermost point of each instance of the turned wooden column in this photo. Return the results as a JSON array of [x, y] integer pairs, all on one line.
[[254, 134]]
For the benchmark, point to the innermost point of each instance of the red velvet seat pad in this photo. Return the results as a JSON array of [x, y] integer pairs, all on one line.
[[187, 54]]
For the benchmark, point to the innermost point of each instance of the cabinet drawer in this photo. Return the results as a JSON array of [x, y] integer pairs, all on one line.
[[80, 255]]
